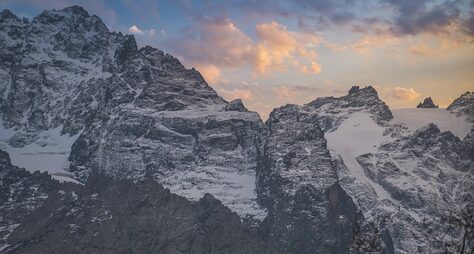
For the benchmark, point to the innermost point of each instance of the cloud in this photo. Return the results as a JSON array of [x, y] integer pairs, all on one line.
[[220, 43], [398, 17], [312, 68], [367, 43], [315, 68], [264, 99], [277, 45], [212, 41], [407, 94], [284, 93], [414, 17], [135, 30], [236, 93], [210, 73], [422, 50]]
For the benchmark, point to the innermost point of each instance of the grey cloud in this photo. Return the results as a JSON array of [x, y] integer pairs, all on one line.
[[413, 17]]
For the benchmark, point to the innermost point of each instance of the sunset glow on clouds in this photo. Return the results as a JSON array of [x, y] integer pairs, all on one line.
[[273, 52], [408, 94]]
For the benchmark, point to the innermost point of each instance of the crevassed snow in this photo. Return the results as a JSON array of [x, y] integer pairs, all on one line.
[[415, 118], [357, 135], [49, 152]]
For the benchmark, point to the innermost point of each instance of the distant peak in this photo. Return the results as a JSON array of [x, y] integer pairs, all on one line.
[[68, 13], [75, 9], [8, 15], [236, 105], [427, 103], [468, 94], [464, 105], [356, 89]]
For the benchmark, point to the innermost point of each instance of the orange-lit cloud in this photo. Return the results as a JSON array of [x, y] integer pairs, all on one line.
[[136, 30], [408, 94], [263, 98], [236, 93], [277, 45], [315, 67], [222, 44], [312, 68], [367, 43], [284, 93], [421, 49], [210, 73]]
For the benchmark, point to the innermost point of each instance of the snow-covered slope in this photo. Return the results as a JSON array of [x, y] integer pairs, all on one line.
[[408, 174], [416, 118], [403, 173], [358, 135], [48, 153]]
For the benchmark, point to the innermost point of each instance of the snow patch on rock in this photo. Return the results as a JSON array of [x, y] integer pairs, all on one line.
[[357, 135], [48, 153]]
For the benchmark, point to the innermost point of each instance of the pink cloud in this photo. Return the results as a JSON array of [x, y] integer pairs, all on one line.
[[220, 43]]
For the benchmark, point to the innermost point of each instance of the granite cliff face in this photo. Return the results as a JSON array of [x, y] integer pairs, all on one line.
[[129, 129]]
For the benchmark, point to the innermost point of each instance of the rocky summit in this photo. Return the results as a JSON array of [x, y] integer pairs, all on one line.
[[427, 103], [111, 148]]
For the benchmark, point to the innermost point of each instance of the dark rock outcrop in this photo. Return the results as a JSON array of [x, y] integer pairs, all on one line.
[[427, 103]]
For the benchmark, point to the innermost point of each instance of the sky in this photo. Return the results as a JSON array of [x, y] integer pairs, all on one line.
[[273, 52]]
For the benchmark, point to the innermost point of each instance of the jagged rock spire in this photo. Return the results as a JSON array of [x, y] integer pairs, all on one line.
[[427, 103]]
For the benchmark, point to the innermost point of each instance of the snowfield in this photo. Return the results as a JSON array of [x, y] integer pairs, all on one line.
[[415, 118], [357, 135], [48, 153]]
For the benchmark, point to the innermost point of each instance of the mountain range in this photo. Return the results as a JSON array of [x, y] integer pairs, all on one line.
[[111, 148]]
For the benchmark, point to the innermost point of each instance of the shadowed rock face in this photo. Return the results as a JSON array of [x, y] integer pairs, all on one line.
[[41, 215], [427, 103]]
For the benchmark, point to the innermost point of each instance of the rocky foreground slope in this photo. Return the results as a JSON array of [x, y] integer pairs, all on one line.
[[42, 215], [337, 175]]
